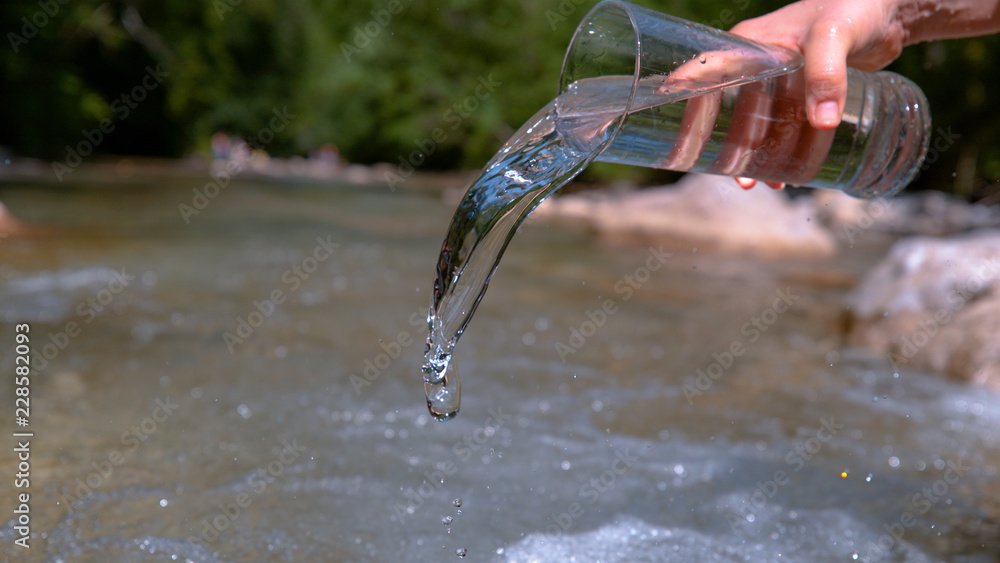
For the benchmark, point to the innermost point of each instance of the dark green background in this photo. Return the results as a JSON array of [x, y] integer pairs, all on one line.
[[232, 62]]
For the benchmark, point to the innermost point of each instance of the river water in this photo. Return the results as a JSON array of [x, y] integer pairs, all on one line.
[[244, 384]]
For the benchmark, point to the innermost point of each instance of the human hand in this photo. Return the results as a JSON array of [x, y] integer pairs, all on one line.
[[832, 34], [747, 183], [863, 34], [714, 70], [764, 133]]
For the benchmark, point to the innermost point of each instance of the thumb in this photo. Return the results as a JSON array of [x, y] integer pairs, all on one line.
[[825, 52]]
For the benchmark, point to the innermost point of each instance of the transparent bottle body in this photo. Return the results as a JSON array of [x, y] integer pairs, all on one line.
[[760, 130]]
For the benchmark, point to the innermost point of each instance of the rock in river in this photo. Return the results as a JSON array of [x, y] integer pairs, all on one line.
[[702, 211], [934, 304]]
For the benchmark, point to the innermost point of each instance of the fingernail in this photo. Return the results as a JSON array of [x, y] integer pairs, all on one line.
[[746, 183], [826, 113]]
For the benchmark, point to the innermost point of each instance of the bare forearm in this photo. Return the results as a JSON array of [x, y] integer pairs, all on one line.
[[928, 20]]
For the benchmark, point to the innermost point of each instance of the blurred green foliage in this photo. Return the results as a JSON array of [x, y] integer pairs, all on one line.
[[375, 78]]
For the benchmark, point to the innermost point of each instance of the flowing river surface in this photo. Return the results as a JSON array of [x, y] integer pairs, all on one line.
[[245, 386]]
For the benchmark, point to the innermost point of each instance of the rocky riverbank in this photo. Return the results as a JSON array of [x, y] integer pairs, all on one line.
[[932, 303]]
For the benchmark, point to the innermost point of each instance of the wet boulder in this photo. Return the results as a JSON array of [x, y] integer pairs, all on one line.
[[706, 212], [925, 213], [934, 304]]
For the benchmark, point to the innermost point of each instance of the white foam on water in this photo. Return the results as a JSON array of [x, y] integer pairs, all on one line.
[[826, 535]]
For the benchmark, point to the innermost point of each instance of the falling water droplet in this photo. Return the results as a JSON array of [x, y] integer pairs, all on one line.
[[457, 503], [461, 552], [447, 520], [443, 395]]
